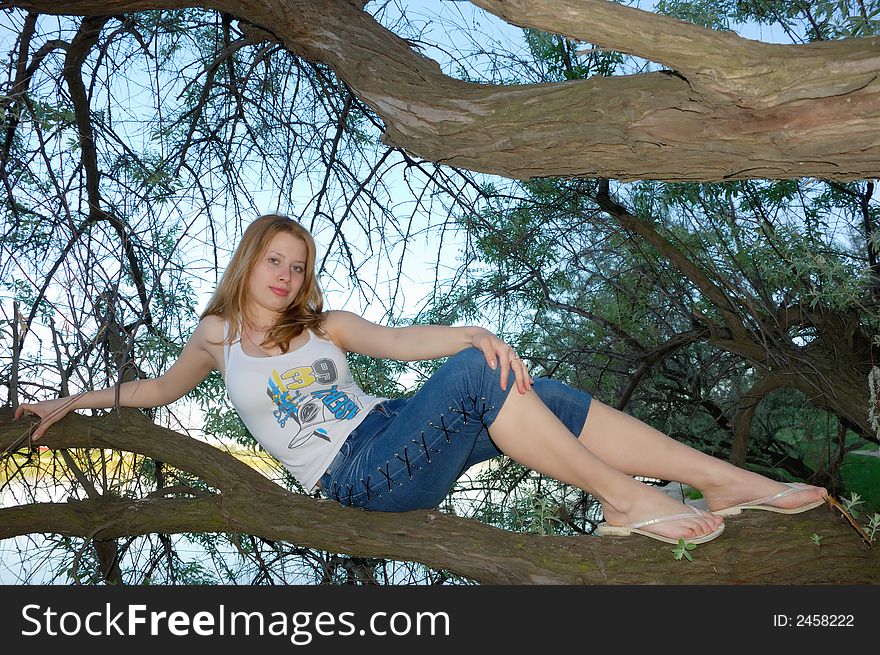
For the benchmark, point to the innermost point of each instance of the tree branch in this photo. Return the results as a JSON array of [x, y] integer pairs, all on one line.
[[713, 292], [786, 111], [438, 540], [721, 62]]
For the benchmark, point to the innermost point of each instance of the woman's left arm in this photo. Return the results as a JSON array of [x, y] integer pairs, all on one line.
[[416, 342]]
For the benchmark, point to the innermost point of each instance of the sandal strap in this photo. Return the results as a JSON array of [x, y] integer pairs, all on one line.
[[793, 487], [661, 519]]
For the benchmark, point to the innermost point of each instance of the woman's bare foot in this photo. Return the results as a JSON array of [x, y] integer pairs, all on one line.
[[744, 487], [647, 503]]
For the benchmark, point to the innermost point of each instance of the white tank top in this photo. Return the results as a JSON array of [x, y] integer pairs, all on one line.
[[300, 405]]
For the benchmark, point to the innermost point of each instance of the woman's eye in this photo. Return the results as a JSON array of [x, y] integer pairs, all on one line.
[[273, 260], [298, 269]]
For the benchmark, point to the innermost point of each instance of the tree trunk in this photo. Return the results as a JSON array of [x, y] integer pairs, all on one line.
[[757, 548], [742, 423], [730, 108]]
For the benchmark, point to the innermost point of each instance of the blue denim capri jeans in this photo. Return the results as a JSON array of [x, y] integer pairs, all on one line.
[[408, 452]]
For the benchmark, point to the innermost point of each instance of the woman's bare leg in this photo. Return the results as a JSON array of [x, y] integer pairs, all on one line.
[[635, 448], [531, 434]]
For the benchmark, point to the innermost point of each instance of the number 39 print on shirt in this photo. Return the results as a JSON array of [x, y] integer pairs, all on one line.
[[310, 410]]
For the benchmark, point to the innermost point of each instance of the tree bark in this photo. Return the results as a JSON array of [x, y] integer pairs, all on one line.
[[755, 549], [730, 108]]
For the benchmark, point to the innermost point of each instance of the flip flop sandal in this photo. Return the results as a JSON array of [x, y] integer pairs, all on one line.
[[763, 503], [607, 530]]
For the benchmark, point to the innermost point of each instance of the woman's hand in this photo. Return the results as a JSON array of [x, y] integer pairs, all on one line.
[[497, 351], [50, 411]]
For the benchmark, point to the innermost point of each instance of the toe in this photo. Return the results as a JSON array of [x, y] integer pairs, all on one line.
[[707, 525]]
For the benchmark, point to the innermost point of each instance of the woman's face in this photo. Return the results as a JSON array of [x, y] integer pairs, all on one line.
[[278, 274]]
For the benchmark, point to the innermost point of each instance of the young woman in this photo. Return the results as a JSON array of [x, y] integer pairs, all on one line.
[[283, 360]]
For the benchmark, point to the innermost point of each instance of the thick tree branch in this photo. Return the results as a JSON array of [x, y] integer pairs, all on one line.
[[613, 26], [441, 541], [134, 432], [723, 62], [813, 111]]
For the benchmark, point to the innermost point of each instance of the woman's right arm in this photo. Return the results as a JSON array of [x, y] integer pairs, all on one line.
[[194, 364]]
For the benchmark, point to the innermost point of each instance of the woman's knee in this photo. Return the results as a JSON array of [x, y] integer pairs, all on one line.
[[470, 359], [477, 378]]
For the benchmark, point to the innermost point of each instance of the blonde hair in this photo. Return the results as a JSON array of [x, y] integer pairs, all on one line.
[[231, 296]]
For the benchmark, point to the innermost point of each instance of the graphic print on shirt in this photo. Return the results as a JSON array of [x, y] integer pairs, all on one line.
[[310, 410]]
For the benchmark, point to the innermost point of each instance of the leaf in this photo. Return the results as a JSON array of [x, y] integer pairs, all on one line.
[[681, 550]]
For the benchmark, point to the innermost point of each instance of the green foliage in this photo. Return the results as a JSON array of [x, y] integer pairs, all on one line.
[[190, 572], [588, 301], [798, 259], [221, 419], [860, 473], [542, 516], [846, 18], [503, 493], [27, 297], [562, 60], [815, 19], [873, 526], [850, 503], [714, 14], [874, 399], [683, 550], [694, 494], [49, 117], [149, 173]]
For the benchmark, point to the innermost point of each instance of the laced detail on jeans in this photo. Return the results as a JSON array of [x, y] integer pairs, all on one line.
[[334, 491], [470, 409], [350, 491], [443, 427], [463, 410], [405, 460], [485, 410], [480, 409], [480, 412], [423, 444], [388, 477], [366, 484]]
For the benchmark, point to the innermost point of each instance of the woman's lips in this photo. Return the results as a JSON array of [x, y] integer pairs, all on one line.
[[279, 292]]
